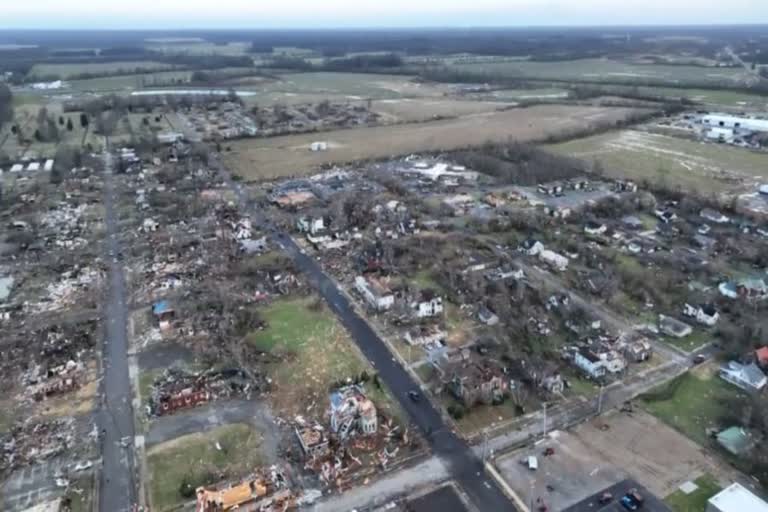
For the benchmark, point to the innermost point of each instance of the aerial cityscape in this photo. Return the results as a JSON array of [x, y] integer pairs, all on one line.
[[364, 264]]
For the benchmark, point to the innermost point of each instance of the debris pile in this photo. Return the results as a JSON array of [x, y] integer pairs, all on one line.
[[266, 490], [32, 442], [177, 389]]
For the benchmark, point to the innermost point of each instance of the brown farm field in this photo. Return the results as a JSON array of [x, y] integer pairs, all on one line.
[[258, 159]]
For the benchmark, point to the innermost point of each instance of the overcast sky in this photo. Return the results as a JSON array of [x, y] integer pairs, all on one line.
[[147, 14]]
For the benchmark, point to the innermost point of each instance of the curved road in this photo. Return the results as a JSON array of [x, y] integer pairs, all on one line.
[[465, 467]]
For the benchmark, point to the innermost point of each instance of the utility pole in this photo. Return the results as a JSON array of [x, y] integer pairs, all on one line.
[[545, 420]]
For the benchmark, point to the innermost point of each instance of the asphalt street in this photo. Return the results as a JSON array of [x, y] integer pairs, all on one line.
[[465, 467], [115, 417]]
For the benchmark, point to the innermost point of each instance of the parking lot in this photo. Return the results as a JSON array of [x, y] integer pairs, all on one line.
[[604, 452]]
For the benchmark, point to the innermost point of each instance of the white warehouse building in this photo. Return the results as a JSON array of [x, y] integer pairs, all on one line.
[[735, 122], [736, 498]]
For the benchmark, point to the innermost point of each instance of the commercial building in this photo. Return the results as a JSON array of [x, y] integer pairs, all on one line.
[[736, 498], [735, 122]]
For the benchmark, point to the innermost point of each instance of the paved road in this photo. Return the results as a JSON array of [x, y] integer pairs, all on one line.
[[465, 467], [756, 76], [118, 482]]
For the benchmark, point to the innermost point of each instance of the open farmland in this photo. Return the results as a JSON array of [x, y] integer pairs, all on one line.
[[703, 167], [605, 70], [290, 155], [719, 97], [408, 109], [198, 48], [303, 87], [65, 71]]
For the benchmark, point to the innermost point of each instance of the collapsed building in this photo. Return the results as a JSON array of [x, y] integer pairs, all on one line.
[[265, 491], [351, 413], [177, 389]]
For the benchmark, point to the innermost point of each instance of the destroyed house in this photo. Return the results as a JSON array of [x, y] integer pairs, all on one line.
[[375, 292], [421, 335], [428, 307], [674, 327], [474, 381], [351, 412], [714, 216], [597, 362], [638, 351], [263, 492], [705, 314], [313, 441], [595, 228]]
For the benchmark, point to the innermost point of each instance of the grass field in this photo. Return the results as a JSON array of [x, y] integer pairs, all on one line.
[[65, 71], [197, 460], [303, 87], [314, 352], [678, 501], [606, 70], [694, 402], [703, 167], [290, 155], [709, 96], [423, 109]]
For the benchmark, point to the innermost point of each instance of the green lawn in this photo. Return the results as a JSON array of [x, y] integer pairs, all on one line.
[[292, 323], [195, 459], [695, 340], [313, 353], [678, 501], [693, 403]]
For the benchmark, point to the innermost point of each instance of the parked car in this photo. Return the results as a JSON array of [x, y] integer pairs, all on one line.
[[414, 396], [632, 500]]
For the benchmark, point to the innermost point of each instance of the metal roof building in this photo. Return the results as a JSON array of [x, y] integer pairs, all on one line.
[[736, 498], [727, 121]]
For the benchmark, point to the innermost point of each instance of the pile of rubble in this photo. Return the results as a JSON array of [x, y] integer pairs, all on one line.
[[266, 490], [178, 389], [41, 384], [67, 225], [32, 442], [67, 291]]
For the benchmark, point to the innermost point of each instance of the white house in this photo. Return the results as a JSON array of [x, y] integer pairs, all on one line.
[[48, 167], [705, 314], [554, 260], [748, 377], [531, 247], [596, 365], [376, 294], [589, 363], [427, 308]]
